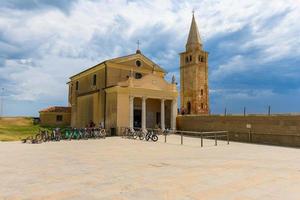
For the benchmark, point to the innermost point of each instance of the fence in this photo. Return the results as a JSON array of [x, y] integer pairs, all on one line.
[[213, 135], [203, 135]]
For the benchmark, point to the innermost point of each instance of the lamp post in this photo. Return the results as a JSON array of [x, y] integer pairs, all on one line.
[[1, 99]]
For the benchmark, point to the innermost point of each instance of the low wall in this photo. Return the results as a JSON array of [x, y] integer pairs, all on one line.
[[276, 130]]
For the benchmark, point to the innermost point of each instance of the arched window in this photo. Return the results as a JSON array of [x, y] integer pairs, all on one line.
[[202, 59], [201, 92], [199, 58], [186, 59], [190, 58], [202, 106], [77, 85], [188, 107], [94, 79]]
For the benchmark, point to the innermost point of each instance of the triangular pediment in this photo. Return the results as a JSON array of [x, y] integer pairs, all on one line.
[[137, 60], [150, 81]]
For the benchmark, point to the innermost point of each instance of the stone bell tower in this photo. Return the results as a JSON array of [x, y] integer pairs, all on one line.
[[194, 95]]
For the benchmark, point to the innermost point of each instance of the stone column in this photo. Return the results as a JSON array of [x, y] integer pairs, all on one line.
[[162, 114], [131, 115], [144, 114], [173, 114]]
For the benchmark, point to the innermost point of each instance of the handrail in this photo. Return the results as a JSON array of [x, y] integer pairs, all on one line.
[[212, 134]]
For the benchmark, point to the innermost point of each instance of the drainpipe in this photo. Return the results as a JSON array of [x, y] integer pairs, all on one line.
[[105, 94]]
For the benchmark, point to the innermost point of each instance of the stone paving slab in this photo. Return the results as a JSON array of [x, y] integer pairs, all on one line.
[[117, 168]]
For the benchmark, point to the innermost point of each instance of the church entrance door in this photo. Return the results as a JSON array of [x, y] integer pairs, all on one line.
[[137, 118]]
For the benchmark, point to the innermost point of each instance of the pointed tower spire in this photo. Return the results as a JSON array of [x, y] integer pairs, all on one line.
[[194, 39]]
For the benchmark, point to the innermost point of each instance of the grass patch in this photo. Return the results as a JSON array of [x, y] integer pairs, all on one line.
[[17, 128]]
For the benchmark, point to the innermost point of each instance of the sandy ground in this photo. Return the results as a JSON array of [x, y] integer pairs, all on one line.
[[116, 168]]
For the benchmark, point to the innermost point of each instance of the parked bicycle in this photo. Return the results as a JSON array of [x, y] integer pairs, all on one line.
[[58, 134], [128, 133], [101, 133], [151, 135], [43, 136]]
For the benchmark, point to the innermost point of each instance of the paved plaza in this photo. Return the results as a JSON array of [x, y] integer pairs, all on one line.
[[117, 168]]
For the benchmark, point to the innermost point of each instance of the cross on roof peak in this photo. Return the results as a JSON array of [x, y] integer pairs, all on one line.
[[138, 47]]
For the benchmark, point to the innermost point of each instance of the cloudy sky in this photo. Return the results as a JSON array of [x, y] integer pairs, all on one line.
[[254, 47]]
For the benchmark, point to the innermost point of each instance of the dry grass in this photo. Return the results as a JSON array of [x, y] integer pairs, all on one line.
[[16, 128]]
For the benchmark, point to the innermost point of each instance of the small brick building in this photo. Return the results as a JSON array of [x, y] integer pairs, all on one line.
[[55, 116]]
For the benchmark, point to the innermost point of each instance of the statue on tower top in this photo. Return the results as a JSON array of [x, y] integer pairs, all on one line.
[[173, 79]]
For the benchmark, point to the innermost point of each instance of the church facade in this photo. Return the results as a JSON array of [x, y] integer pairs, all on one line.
[[131, 91], [128, 91]]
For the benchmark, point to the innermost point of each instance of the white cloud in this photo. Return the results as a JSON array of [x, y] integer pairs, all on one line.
[[38, 44], [236, 64], [43, 80]]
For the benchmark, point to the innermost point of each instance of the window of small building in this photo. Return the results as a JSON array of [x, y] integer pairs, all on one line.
[[77, 85], [190, 58], [59, 118], [186, 59], [201, 92], [94, 79], [138, 75], [202, 59], [202, 106]]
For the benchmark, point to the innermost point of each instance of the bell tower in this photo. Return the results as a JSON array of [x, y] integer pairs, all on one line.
[[194, 95]]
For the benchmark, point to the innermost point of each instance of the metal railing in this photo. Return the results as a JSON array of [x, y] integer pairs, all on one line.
[[213, 135], [203, 135]]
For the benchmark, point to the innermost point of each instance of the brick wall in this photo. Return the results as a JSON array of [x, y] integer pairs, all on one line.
[[281, 130]]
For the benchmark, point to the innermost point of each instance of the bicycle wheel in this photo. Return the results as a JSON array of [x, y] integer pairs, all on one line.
[[58, 137], [141, 136], [147, 137], [45, 137], [135, 135], [38, 137], [154, 138], [103, 133]]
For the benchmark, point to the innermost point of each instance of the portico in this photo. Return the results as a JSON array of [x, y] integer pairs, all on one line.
[[149, 102], [151, 117]]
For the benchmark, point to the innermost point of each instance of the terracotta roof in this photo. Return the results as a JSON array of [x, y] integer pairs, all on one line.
[[56, 109]]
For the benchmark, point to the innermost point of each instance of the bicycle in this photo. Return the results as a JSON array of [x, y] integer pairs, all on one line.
[[42, 136], [139, 134], [102, 133], [130, 133], [56, 135], [125, 133], [151, 135], [68, 134]]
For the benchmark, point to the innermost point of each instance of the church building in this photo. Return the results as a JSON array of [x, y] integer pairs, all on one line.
[[131, 91], [128, 91]]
